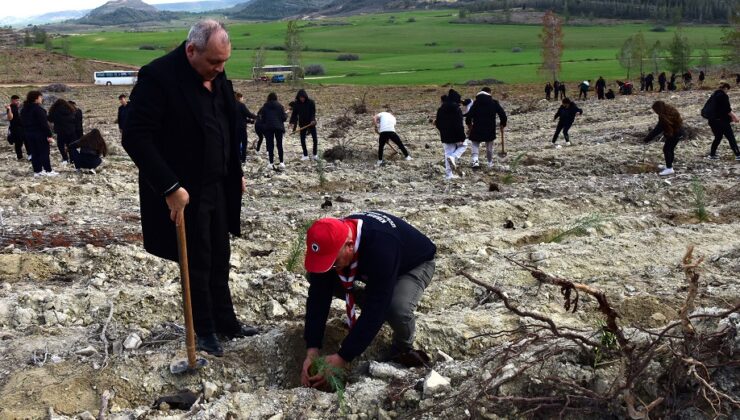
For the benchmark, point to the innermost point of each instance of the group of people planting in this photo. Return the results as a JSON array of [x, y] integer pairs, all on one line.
[[31, 128], [185, 129]]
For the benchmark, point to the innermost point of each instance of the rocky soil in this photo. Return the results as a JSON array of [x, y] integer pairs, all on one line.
[[84, 310]]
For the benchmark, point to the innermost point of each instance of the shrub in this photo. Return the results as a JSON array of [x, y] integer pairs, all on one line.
[[457, 51], [57, 87], [411, 20], [314, 70], [430, 44], [147, 47], [459, 65], [658, 28], [348, 57], [516, 50]]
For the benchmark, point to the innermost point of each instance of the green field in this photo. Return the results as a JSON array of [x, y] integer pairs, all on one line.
[[395, 44]]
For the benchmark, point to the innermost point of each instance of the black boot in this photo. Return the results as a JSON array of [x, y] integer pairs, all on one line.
[[209, 344]]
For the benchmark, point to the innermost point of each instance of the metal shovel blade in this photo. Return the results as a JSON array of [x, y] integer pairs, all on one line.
[[181, 366]]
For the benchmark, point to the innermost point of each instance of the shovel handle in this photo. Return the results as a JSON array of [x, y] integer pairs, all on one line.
[[182, 250], [503, 147]]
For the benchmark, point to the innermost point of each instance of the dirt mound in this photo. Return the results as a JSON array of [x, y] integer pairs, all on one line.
[[36, 66]]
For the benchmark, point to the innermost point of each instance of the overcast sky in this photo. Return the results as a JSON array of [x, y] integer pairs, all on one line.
[[24, 8]]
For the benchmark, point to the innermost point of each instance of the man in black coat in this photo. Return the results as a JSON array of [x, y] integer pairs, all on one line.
[[721, 121], [304, 115], [482, 122], [181, 133], [243, 117]]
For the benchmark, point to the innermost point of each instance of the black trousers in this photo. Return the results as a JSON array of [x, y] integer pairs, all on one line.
[[271, 137], [62, 141], [583, 93], [208, 258], [662, 86], [18, 142], [243, 147], [303, 134], [85, 160], [723, 129], [39, 153], [392, 136], [649, 86], [564, 128], [668, 150], [600, 93], [260, 137]]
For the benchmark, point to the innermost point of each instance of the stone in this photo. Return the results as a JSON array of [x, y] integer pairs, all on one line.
[[132, 342], [446, 357], [385, 371], [273, 309], [435, 384], [209, 390], [527, 224], [86, 351], [537, 256], [659, 317], [85, 415]]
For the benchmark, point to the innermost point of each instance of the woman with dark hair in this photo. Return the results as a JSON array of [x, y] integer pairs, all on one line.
[[670, 125], [273, 118], [62, 114], [449, 122], [303, 115], [92, 146], [38, 134]]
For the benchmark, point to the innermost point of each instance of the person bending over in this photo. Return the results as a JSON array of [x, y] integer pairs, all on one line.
[[670, 125], [92, 147]]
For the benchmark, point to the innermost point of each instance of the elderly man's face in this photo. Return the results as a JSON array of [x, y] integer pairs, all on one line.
[[210, 62]]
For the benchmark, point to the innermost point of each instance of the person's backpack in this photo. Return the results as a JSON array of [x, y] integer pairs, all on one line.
[[708, 111]]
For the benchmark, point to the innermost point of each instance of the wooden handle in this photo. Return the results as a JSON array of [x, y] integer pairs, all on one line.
[[503, 148], [182, 249]]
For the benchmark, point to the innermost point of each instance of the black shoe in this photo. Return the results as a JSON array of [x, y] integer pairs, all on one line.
[[209, 344], [243, 331], [412, 358]]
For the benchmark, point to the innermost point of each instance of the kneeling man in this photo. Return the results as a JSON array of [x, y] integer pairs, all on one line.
[[395, 262]]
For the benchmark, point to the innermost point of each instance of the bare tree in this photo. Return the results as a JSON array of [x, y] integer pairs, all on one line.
[[293, 48], [626, 55], [552, 44], [258, 61]]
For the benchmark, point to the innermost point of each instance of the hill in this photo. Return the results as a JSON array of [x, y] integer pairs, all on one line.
[[197, 6], [119, 12], [709, 11]]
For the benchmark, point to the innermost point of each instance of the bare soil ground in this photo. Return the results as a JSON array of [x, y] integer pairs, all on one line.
[[70, 252]]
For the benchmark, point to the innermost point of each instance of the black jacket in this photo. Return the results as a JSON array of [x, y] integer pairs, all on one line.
[[15, 129], [78, 123], [35, 122], [273, 116], [389, 247], [243, 115], [449, 120], [304, 113], [600, 84], [164, 135], [722, 107], [64, 121], [567, 115], [482, 118], [123, 115]]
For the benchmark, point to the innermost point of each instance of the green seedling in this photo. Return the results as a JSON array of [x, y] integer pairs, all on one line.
[[334, 376]]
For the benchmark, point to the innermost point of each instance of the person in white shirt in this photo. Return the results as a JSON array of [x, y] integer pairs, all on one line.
[[385, 126]]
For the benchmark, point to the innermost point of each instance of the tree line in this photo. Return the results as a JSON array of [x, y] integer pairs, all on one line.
[[659, 11]]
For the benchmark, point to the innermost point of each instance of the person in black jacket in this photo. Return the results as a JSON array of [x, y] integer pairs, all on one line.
[[649, 82], [273, 117], [672, 82], [303, 114], [702, 76], [548, 90], [721, 121], [123, 110], [62, 115], [482, 122], [243, 118], [556, 87], [661, 81], [92, 147], [181, 134], [15, 130], [78, 120], [449, 122], [259, 130], [395, 262], [670, 125], [562, 89], [600, 87], [567, 115], [37, 132]]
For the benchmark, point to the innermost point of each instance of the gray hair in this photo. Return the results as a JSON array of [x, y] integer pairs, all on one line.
[[201, 33]]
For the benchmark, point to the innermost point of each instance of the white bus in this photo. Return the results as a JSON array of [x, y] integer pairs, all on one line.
[[269, 71], [116, 77]]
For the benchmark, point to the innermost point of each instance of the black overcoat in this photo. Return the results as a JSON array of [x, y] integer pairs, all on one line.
[[164, 135], [482, 118]]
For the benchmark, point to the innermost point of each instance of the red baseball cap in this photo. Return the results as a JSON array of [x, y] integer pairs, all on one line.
[[324, 240]]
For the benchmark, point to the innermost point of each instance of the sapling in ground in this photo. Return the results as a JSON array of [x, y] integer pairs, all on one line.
[[334, 376]]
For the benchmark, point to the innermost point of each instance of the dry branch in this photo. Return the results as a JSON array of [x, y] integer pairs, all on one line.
[[103, 338]]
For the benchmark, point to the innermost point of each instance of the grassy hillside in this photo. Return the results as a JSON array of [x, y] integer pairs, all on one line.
[[414, 47]]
